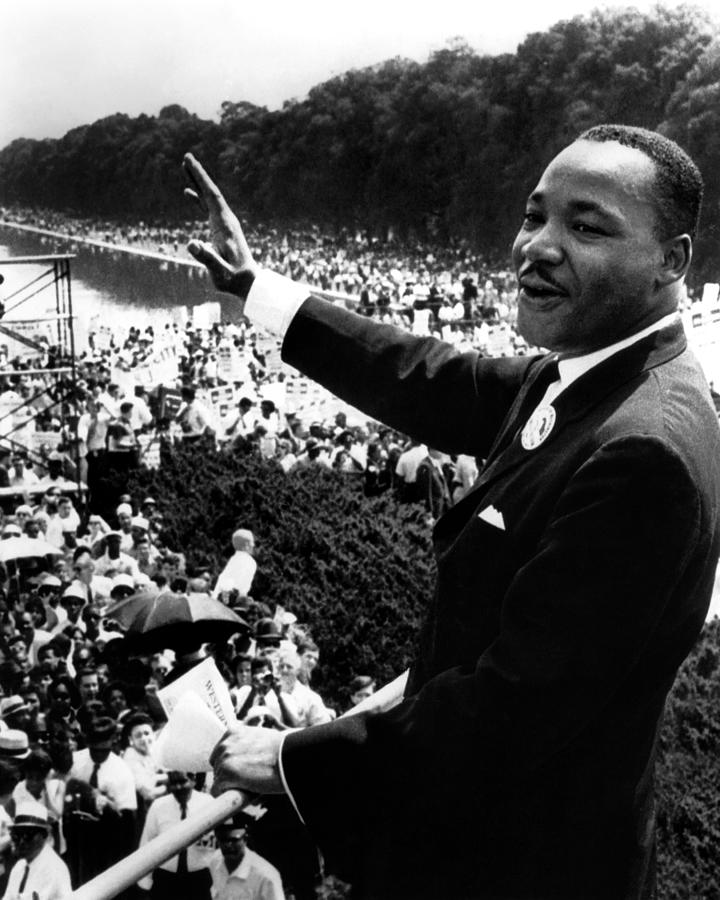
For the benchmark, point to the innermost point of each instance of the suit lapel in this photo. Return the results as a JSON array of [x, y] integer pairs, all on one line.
[[573, 403]]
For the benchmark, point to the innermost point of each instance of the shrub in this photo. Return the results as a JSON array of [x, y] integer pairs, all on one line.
[[358, 571]]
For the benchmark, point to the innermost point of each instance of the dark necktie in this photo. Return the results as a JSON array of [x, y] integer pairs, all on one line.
[[182, 866], [24, 879], [94, 775]]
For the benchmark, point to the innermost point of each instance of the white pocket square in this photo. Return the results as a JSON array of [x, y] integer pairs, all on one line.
[[492, 516]]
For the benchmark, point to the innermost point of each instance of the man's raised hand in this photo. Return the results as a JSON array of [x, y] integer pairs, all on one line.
[[227, 258]]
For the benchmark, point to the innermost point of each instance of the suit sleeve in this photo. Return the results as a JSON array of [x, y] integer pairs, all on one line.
[[382, 370], [592, 611]]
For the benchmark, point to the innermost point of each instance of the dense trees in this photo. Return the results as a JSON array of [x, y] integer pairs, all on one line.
[[447, 148]]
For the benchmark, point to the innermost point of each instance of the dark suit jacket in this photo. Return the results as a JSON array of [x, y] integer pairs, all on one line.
[[432, 488], [520, 764]]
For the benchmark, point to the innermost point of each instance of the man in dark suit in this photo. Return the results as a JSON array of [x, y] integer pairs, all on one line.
[[432, 484], [516, 760]]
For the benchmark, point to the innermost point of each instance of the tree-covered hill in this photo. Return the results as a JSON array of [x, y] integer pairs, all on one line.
[[446, 148]]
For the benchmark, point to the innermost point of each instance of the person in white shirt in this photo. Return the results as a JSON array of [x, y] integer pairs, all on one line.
[[194, 418], [38, 787], [96, 843], [20, 475], [39, 873], [406, 470], [240, 569], [184, 875], [113, 561], [238, 872], [307, 705], [150, 779]]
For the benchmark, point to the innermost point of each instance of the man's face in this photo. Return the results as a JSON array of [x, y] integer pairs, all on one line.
[[64, 509], [143, 549], [99, 752], [28, 842], [587, 256], [72, 605], [142, 739], [309, 659], [88, 687], [125, 521], [232, 844], [26, 628], [33, 701]]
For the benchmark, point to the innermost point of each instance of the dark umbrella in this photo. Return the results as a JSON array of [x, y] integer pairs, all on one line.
[[178, 621]]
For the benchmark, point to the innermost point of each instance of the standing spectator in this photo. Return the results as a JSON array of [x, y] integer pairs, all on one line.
[[94, 846], [194, 418], [122, 451], [406, 471], [306, 705], [39, 787], [187, 874], [240, 569], [39, 873], [432, 485], [150, 780], [238, 871]]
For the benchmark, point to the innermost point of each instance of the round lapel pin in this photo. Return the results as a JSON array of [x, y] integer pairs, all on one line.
[[538, 427]]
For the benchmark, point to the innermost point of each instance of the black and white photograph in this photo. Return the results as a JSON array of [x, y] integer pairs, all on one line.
[[359, 450]]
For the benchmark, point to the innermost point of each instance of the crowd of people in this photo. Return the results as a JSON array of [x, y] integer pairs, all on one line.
[[226, 380], [80, 781]]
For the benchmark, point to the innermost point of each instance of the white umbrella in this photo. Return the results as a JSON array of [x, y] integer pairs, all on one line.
[[26, 548]]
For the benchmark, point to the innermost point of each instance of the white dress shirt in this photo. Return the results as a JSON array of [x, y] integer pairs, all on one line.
[[48, 878], [254, 879]]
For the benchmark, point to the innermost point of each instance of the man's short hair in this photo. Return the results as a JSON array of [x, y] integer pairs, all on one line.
[[679, 184]]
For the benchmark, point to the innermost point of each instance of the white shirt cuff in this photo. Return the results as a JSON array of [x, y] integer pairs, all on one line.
[[273, 301], [282, 771]]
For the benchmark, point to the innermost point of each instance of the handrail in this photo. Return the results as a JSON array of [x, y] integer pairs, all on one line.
[[131, 869]]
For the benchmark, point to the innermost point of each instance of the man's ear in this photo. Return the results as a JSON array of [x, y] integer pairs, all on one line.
[[677, 254]]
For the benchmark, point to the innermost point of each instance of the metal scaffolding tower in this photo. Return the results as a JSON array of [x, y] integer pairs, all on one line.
[[61, 375]]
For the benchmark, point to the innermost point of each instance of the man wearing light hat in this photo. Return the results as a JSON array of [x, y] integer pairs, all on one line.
[[124, 514], [39, 872], [14, 743], [14, 712]]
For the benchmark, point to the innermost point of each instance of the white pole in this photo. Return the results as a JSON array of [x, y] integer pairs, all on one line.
[[148, 857]]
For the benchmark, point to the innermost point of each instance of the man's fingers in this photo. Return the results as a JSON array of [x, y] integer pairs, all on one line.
[[209, 257], [193, 195], [219, 748], [202, 184]]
